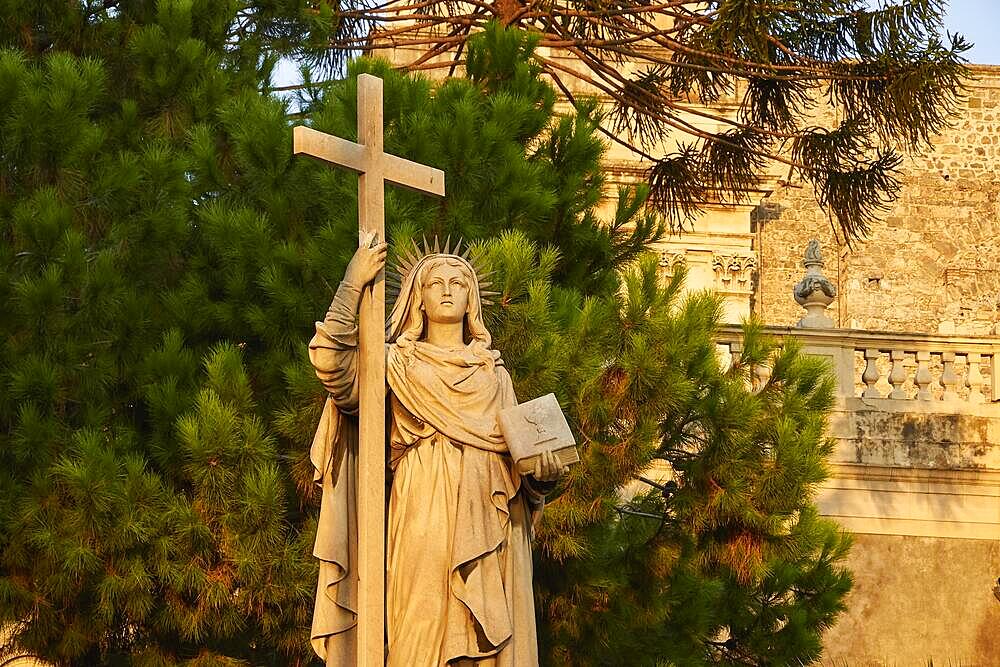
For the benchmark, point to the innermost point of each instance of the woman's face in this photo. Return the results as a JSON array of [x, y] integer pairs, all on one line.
[[445, 294]]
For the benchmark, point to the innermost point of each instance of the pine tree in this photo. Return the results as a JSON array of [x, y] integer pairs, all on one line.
[[162, 259], [145, 504]]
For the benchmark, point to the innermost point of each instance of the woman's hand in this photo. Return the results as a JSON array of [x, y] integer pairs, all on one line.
[[367, 262], [548, 468]]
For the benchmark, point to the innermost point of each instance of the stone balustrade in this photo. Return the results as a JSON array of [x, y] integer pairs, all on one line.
[[897, 365], [916, 423]]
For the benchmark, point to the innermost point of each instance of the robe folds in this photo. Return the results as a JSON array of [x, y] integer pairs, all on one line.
[[458, 555]]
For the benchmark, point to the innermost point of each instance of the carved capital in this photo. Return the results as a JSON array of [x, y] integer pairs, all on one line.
[[734, 272], [670, 260]]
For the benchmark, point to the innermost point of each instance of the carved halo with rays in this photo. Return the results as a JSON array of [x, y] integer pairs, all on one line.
[[396, 275]]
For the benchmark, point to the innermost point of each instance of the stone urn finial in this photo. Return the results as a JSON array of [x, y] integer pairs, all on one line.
[[814, 292]]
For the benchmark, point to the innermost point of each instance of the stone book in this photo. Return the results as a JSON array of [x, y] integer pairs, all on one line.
[[535, 427]]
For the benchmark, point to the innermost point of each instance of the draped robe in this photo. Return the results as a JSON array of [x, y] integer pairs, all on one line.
[[458, 559]]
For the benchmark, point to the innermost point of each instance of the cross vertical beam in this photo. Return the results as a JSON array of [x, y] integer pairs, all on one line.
[[371, 371], [374, 168]]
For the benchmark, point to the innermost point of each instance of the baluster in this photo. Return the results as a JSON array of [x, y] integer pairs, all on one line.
[[762, 373], [897, 376], [736, 347], [723, 350], [948, 377], [923, 378], [736, 350], [995, 376], [870, 376], [974, 377]]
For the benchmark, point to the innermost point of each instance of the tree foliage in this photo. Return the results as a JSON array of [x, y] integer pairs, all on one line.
[[671, 71], [162, 259]]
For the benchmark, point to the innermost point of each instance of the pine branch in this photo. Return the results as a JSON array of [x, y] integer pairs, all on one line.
[[886, 68]]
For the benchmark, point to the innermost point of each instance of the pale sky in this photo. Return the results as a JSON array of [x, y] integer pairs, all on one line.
[[979, 21]]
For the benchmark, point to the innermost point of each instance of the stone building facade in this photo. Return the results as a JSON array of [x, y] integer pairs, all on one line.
[[916, 314], [914, 337]]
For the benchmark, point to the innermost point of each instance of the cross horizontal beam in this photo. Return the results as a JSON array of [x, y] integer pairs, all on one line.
[[397, 170]]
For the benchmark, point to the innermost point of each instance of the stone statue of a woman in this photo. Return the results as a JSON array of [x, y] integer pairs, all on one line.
[[458, 588]]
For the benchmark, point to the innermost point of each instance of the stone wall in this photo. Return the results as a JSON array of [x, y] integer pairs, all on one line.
[[781, 228], [917, 434], [932, 264], [935, 602]]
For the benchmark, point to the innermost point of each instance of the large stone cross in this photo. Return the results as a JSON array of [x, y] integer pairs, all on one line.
[[374, 168]]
